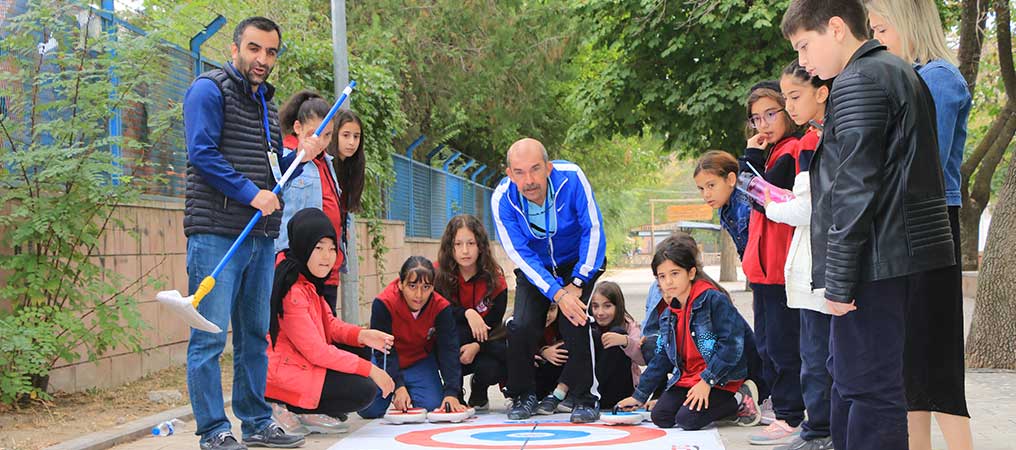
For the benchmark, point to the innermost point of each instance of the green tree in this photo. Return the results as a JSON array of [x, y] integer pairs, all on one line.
[[680, 70], [474, 75], [978, 172], [992, 334]]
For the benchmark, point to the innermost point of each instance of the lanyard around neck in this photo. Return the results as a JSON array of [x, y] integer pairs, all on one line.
[[264, 117]]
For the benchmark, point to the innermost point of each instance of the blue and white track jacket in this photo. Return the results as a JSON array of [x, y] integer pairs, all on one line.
[[579, 239]]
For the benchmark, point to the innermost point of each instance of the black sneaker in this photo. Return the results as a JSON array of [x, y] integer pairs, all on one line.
[[222, 441], [548, 405], [523, 407], [273, 436], [585, 413]]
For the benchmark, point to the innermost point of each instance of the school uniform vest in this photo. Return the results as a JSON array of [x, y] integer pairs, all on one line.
[[414, 336], [473, 293], [243, 145], [768, 241]]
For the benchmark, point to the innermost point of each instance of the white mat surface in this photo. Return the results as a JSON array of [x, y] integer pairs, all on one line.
[[493, 431]]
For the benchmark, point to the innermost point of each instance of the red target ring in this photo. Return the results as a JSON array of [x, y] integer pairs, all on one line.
[[425, 438]]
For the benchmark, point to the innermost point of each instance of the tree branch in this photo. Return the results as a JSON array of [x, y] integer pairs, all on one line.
[[972, 24], [981, 191], [1004, 36], [969, 166]]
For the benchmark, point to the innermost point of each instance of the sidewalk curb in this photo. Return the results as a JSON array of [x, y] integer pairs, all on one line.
[[128, 432]]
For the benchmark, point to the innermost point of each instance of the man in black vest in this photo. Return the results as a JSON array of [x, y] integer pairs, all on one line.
[[234, 159]]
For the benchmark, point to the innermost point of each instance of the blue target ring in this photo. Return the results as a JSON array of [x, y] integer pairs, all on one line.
[[526, 435]]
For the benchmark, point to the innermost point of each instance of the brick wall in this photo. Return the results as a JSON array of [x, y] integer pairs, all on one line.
[[155, 244]]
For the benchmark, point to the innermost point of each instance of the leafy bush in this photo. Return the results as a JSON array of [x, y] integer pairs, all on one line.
[[62, 188]]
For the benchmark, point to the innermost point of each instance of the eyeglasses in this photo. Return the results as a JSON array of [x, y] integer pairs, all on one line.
[[755, 120]]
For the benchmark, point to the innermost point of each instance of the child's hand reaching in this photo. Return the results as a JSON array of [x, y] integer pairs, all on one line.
[[453, 402], [312, 146], [555, 354], [376, 339], [698, 396], [611, 339], [382, 380], [467, 353], [477, 325], [628, 404], [402, 401]]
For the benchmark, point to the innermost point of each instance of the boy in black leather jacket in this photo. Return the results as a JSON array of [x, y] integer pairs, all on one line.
[[878, 213]]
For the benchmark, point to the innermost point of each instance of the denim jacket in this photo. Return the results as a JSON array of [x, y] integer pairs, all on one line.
[[304, 191], [952, 108], [720, 334], [734, 218]]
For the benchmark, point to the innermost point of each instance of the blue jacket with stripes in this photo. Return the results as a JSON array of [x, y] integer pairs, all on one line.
[[578, 241]]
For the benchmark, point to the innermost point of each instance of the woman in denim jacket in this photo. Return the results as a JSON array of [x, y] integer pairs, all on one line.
[[323, 184], [703, 342], [933, 355]]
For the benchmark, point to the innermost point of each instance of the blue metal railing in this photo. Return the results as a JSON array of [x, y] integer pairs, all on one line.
[[426, 198]]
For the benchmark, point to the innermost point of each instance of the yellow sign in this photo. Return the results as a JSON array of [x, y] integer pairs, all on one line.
[[679, 213]]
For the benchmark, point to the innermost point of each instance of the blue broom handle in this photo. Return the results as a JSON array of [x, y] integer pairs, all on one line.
[[335, 108], [278, 186]]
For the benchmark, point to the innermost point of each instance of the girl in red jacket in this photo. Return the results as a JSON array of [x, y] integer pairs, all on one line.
[[426, 343], [474, 284], [307, 375], [773, 151]]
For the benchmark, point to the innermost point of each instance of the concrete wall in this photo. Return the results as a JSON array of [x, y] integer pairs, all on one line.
[[155, 244]]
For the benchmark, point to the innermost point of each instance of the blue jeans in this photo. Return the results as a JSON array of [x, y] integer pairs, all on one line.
[[241, 296], [816, 382], [423, 383], [869, 405], [777, 337]]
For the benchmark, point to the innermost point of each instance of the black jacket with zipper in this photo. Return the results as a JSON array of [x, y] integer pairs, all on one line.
[[878, 196]]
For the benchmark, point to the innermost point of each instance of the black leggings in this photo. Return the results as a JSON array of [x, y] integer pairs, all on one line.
[[342, 393], [613, 371], [670, 411], [526, 329], [490, 364]]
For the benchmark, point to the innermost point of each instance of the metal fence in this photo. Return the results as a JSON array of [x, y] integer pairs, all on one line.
[[426, 198]]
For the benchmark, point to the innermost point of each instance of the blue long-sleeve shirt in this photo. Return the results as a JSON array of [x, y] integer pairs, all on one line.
[[203, 120]]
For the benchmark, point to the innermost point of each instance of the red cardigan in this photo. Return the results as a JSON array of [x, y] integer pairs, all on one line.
[[304, 352]]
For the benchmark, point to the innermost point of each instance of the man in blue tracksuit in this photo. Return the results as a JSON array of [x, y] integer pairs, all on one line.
[[551, 228]]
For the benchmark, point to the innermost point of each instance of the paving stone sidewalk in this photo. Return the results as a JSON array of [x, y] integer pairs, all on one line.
[[991, 395]]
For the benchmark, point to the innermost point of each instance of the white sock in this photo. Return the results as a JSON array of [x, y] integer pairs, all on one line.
[[559, 394]]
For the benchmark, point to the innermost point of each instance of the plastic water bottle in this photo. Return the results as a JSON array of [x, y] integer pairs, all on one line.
[[166, 428], [756, 188]]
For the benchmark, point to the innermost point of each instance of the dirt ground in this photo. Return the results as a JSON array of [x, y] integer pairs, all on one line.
[[68, 416]]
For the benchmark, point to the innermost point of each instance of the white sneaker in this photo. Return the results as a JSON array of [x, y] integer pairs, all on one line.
[[289, 422], [768, 414], [324, 424]]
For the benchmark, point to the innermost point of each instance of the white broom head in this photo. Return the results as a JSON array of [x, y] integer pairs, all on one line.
[[182, 307]]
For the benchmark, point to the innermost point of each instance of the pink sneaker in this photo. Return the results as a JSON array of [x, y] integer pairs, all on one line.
[[748, 413], [778, 432]]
